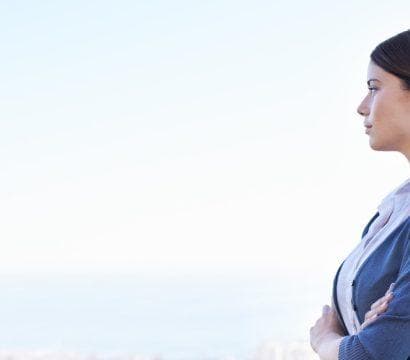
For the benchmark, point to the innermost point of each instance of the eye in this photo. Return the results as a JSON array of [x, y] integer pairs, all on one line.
[[372, 88]]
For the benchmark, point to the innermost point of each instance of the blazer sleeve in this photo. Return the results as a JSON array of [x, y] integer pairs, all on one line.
[[388, 337]]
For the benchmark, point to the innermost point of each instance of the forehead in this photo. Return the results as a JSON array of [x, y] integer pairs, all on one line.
[[375, 71]]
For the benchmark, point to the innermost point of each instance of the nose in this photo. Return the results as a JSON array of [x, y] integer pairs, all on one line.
[[363, 109]]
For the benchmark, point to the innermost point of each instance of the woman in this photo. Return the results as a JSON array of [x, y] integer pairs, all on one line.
[[365, 322]]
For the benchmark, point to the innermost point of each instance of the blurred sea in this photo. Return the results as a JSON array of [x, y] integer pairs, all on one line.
[[170, 315]]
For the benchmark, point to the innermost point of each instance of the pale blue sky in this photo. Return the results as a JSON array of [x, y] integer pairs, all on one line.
[[192, 134]]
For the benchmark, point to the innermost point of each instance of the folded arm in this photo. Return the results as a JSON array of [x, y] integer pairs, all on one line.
[[388, 337]]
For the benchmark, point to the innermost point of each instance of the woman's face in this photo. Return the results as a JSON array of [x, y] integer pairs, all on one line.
[[386, 108]]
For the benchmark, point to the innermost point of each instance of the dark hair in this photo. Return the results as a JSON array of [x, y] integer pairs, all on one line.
[[393, 56]]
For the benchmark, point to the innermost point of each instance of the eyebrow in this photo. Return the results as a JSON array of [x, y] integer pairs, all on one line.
[[368, 81]]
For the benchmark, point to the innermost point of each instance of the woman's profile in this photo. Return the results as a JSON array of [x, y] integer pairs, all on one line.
[[369, 318]]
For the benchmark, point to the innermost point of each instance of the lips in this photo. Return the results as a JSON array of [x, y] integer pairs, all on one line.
[[367, 126]]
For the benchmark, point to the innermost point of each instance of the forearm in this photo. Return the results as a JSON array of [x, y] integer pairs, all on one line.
[[329, 348]]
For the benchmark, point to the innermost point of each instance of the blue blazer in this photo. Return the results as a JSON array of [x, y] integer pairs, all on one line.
[[388, 337]]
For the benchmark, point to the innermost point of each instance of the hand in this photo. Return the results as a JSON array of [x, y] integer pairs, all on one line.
[[378, 307], [326, 328]]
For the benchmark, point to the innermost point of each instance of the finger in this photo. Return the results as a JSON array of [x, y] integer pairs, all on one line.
[[391, 287], [369, 321], [377, 303], [382, 306], [380, 309], [377, 310], [368, 315], [382, 300]]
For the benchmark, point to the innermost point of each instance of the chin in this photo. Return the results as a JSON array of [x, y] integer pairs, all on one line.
[[376, 145], [379, 146]]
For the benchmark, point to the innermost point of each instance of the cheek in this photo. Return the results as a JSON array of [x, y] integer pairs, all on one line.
[[391, 126], [381, 110], [386, 113]]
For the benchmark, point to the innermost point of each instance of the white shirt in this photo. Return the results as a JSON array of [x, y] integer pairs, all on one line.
[[393, 210]]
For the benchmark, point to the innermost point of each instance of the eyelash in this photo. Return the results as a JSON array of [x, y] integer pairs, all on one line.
[[372, 88]]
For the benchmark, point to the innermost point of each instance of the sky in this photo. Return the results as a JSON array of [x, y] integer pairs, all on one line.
[[188, 134]]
